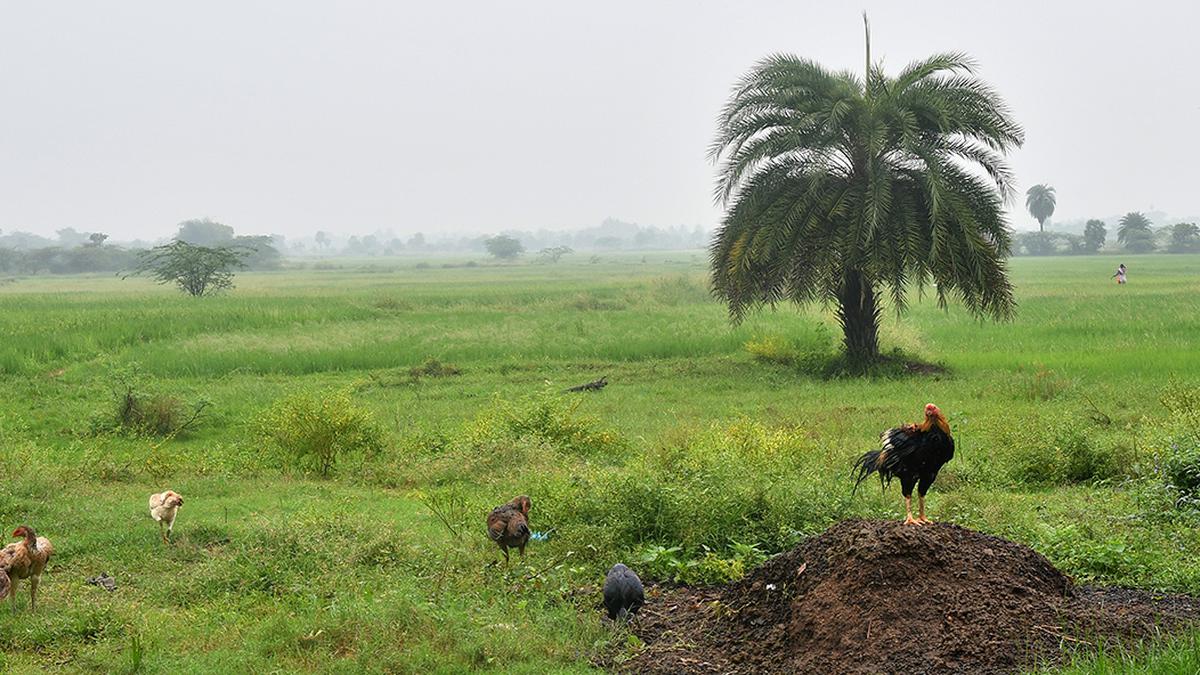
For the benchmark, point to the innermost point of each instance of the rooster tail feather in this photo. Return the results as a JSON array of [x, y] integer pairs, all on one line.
[[865, 466]]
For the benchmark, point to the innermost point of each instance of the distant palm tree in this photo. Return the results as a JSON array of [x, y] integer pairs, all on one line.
[[838, 189], [1134, 232], [1040, 200]]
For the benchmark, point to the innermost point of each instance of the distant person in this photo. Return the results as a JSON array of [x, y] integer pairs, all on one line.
[[1120, 274]]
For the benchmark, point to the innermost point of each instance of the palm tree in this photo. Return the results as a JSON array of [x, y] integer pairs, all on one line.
[[837, 189], [1040, 201], [1134, 232]]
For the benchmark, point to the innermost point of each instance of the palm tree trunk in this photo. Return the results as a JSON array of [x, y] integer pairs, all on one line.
[[858, 313]]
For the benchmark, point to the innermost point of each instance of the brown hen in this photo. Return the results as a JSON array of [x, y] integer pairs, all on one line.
[[25, 559], [508, 525]]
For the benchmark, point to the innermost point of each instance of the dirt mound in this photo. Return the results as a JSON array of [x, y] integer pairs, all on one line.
[[871, 597]]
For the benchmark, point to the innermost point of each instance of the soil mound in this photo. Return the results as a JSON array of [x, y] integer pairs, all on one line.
[[880, 597]]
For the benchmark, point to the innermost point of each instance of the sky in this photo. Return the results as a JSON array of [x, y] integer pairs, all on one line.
[[446, 117]]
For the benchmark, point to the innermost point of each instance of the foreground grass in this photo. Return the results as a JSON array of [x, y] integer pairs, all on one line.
[[282, 575], [694, 444], [1172, 656]]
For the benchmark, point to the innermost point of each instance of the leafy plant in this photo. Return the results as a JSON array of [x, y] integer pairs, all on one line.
[[546, 418], [432, 367], [315, 432], [138, 411], [1061, 453], [671, 563]]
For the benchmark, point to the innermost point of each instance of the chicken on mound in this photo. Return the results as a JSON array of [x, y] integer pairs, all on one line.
[[914, 453]]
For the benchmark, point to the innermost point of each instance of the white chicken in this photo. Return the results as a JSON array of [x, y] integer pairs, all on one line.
[[163, 507]]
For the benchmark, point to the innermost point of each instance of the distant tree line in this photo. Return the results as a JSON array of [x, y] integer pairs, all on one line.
[[1135, 234], [86, 252], [59, 260], [611, 235]]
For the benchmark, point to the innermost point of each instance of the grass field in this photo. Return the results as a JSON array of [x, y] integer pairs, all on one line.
[[1074, 422]]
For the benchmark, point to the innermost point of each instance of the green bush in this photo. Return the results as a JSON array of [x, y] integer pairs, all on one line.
[[1085, 555], [432, 367], [1061, 454], [140, 412], [774, 349], [1180, 439], [546, 418], [672, 564], [744, 482], [1181, 471], [314, 432], [811, 356]]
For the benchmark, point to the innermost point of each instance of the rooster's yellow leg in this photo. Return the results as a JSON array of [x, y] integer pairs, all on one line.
[[909, 520], [921, 519]]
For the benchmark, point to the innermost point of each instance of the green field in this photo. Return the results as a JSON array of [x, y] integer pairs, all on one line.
[[1070, 422]]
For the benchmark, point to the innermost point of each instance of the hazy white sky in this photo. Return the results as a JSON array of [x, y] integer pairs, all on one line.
[[128, 117]]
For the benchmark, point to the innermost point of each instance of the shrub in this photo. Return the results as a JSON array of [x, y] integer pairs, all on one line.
[[433, 368], [1042, 384], [1060, 454], [745, 482], [812, 356], [1180, 434], [1083, 554], [774, 349], [1181, 471], [314, 432], [547, 418], [673, 564], [141, 412]]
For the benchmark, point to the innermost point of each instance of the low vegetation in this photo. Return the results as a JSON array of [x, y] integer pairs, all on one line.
[[362, 423]]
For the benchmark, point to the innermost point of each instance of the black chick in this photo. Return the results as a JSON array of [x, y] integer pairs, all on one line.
[[623, 593]]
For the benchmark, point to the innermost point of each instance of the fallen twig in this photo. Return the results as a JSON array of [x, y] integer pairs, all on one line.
[[594, 385], [1051, 630]]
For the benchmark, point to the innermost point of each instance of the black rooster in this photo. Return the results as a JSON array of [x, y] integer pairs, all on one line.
[[914, 453]]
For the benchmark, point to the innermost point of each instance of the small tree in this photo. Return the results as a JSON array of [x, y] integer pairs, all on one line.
[[504, 247], [97, 239], [554, 254], [1185, 238], [1094, 234], [1135, 233], [197, 270]]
